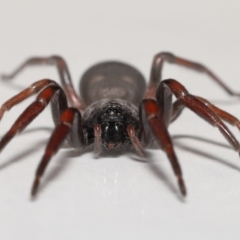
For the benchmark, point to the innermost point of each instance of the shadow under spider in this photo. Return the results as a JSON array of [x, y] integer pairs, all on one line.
[[21, 156], [63, 159], [167, 180], [203, 153]]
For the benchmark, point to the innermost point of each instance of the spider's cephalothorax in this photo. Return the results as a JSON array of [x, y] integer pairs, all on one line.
[[111, 91], [115, 108], [113, 116]]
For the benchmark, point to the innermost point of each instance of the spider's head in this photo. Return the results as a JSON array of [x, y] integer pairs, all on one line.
[[106, 122]]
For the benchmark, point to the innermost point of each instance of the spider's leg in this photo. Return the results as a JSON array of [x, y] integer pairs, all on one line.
[[157, 66], [97, 139], [64, 75], [197, 106], [31, 112], [58, 105], [225, 116], [177, 109], [58, 136], [34, 88], [150, 111], [135, 141]]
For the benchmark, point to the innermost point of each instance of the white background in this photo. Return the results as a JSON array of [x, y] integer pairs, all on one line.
[[122, 197]]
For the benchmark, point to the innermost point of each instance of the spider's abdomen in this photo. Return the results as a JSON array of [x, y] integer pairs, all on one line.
[[112, 80], [113, 116]]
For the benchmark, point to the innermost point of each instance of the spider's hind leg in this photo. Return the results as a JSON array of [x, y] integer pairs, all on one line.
[[157, 67], [63, 72], [152, 114]]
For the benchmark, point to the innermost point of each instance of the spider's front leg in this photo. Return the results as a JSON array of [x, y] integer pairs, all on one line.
[[151, 113], [59, 134], [158, 113], [67, 120]]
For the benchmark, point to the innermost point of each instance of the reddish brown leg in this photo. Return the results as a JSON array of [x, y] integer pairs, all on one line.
[[196, 106], [29, 114], [157, 66], [177, 108], [34, 88], [225, 116], [135, 141], [97, 139], [58, 136], [156, 122], [63, 71]]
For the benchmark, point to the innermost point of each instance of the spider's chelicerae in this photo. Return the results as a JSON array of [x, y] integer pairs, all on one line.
[[115, 108]]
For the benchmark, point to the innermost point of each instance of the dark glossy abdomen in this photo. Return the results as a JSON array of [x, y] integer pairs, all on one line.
[[112, 80]]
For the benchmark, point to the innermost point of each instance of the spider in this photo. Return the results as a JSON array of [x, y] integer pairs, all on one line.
[[116, 108]]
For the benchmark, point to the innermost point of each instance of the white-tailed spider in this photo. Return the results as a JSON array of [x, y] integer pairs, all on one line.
[[115, 108]]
